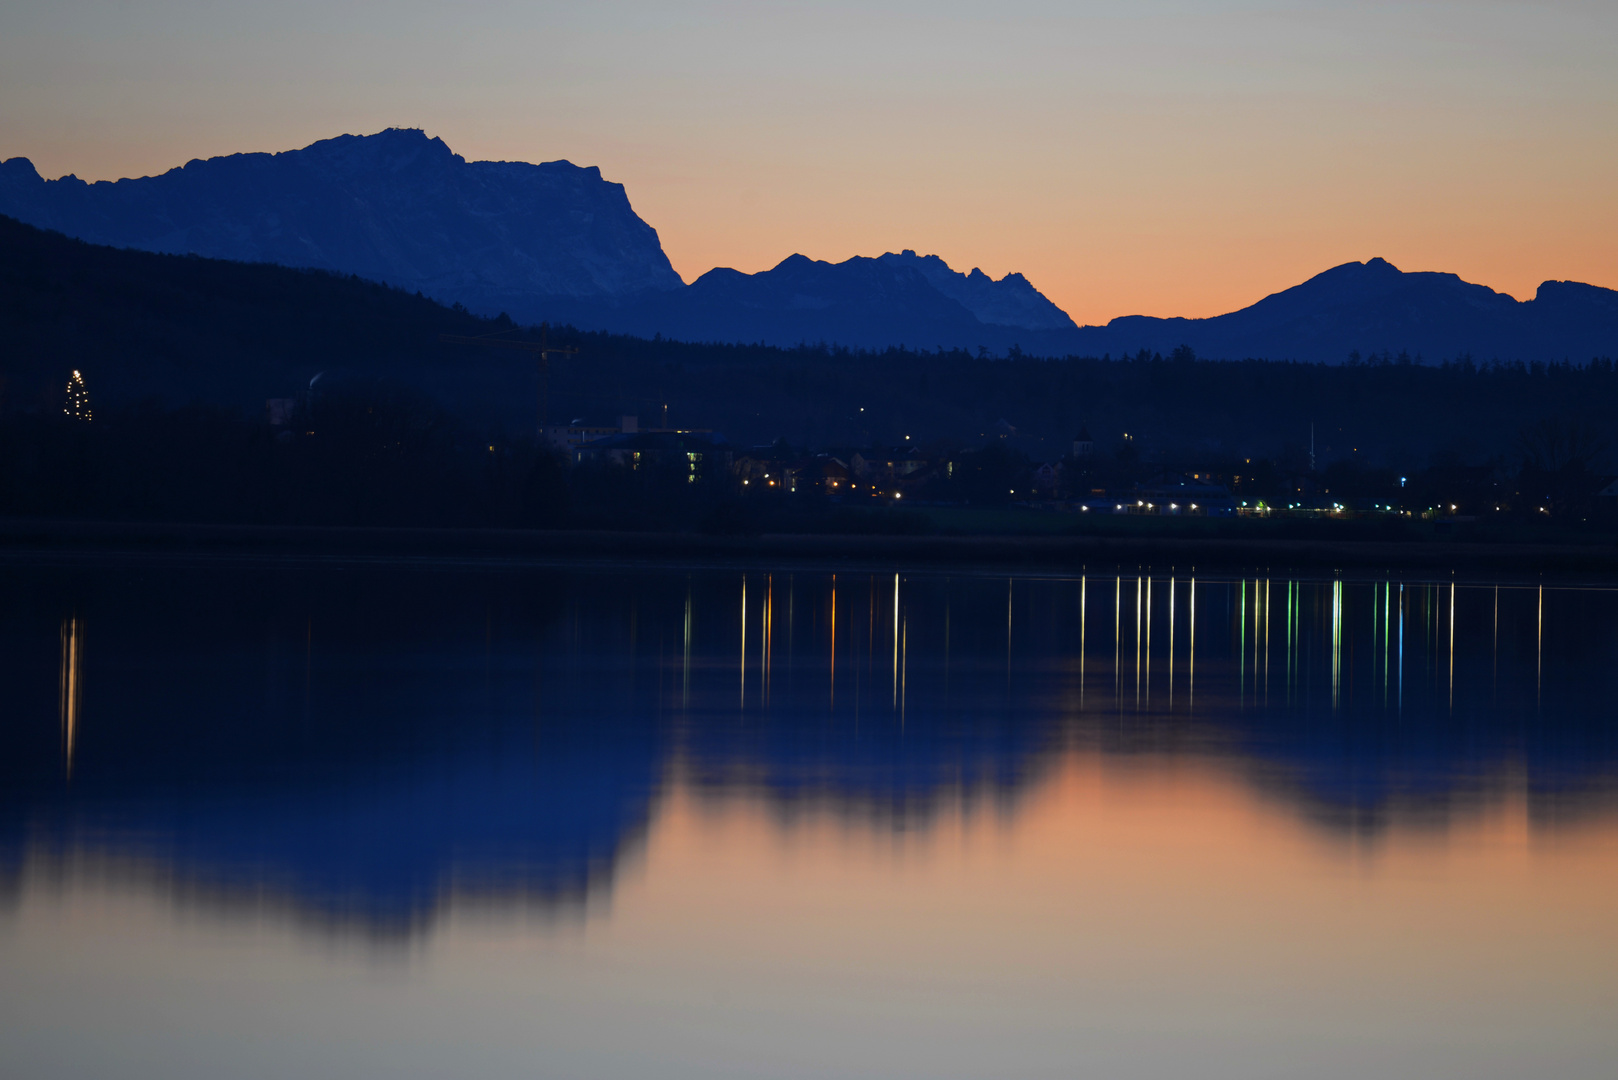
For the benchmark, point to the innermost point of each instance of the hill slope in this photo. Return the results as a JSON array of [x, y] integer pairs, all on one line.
[[176, 329], [179, 329]]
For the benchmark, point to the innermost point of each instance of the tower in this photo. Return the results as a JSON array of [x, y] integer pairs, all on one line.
[[1083, 445]]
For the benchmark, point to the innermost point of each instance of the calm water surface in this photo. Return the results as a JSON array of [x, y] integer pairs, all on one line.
[[413, 821]]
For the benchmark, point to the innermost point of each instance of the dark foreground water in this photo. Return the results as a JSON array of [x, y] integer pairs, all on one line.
[[413, 821]]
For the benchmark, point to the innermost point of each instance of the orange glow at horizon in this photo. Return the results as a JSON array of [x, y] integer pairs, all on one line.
[[1148, 158]]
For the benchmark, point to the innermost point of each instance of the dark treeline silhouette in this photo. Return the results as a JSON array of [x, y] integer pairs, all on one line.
[[180, 356]]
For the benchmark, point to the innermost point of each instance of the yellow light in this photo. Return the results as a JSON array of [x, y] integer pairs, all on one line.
[[899, 494]]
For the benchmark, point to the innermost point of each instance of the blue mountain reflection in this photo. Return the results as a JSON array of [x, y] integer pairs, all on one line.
[[359, 743]]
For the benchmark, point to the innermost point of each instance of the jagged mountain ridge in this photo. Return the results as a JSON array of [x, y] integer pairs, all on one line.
[[862, 302], [396, 206], [557, 242], [540, 241], [1011, 301], [1369, 309]]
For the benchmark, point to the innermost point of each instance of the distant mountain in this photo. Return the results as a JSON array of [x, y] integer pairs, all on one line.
[[1373, 308], [902, 299], [1369, 309], [1011, 301], [555, 242], [396, 206], [174, 330]]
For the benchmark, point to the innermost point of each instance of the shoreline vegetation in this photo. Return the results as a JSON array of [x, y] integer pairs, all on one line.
[[1594, 561]]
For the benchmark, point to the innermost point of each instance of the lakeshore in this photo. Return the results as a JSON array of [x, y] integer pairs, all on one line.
[[1592, 562]]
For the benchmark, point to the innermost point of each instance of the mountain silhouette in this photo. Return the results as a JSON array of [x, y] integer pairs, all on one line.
[[555, 242], [1370, 309], [396, 206], [1374, 308], [863, 302], [1011, 301]]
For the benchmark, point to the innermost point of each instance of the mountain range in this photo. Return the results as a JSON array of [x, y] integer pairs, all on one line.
[[557, 242], [396, 206], [902, 299]]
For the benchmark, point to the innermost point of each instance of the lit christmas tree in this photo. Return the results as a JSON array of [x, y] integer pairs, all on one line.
[[78, 398]]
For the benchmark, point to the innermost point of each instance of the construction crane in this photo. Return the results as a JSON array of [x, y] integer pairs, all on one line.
[[541, 348]]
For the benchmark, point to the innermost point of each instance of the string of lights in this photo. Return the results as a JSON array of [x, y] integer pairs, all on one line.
[[77, 405]]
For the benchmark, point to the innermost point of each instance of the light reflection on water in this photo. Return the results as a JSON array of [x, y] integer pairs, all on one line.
[[799, 823]]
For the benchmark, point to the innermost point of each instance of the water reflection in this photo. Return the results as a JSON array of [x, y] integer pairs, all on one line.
[[367, 744], [71, 692]]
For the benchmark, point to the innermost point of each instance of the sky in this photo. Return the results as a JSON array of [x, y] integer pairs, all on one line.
[[1157, 157]]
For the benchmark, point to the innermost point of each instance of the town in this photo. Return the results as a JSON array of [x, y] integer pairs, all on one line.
[[1087, 480]]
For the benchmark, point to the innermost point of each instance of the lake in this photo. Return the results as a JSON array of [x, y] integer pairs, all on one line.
[[394, 819]]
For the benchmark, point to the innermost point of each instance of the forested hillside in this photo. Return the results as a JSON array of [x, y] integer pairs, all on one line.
[[175, 330]]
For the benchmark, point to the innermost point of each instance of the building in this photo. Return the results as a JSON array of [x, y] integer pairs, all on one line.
[[1083, 445], [831, 474], [699, 455], [569, 437], [768, 468]]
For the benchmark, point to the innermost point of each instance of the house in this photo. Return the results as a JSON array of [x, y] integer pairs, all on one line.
[[769, 468], [700, 455]]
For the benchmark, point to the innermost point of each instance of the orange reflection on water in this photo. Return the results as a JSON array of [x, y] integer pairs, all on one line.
[[1115, 903], [72, 690], [1145, 918]]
